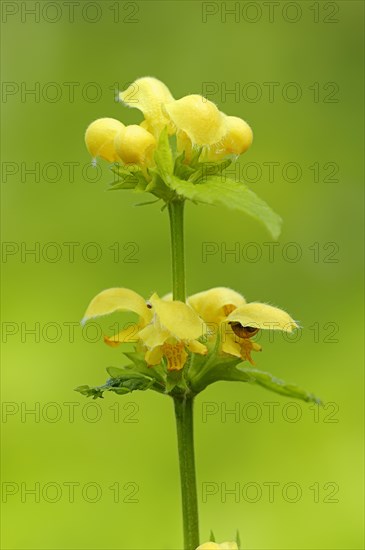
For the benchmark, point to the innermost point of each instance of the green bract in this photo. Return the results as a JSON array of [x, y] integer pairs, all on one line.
[[199, 182], [200, 372]]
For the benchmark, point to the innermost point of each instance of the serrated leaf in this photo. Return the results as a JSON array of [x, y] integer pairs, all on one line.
[[132, 383], [124, 380], [163, 157], [234, 195], [276, 385], [90, 392]]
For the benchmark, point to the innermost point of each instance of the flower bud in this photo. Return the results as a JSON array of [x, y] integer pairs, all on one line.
[[134, 145], [99, 138], [239, 136], [199, 118], [236, 141]]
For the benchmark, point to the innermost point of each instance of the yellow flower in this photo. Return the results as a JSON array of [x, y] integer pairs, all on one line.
[[166, 329], [236, 141], [198, 118], [99, 138], [135, 145], [149, 95], [227, 311], [215, 546]]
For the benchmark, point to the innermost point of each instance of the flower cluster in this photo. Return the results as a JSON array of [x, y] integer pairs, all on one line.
[[196, 122], [168, 331]]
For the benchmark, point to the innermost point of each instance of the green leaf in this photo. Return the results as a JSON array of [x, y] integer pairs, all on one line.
[[124, 380], [222, 369], [214, 367], [163, 157], [90, 392], [276, 385], [116, 372], [226, 192], [208, 169]]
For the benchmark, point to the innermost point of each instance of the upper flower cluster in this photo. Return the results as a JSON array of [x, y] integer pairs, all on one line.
[[196, 122]]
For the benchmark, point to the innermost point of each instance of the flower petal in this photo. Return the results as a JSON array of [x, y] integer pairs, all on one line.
[[263, 316], [152, 335], [178, 318], [167, 297], [99, 138], [215, 304], [118, 299], [126, 336], [175, 354], [236, 141], [154, 356], [197, 347], [148, 94], [230, 345], [199, 118], [134, 145]]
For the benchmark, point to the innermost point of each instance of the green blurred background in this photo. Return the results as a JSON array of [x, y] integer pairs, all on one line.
[[130, 442]]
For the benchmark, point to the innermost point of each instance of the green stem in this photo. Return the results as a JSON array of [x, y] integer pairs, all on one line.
[[176, 213], [185, 438], [184, 405]]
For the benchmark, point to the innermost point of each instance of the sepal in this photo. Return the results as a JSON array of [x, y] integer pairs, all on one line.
[[128, 178]]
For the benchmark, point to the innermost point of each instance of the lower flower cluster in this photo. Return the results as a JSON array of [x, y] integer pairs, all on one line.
[[181, 348], [168, 332]]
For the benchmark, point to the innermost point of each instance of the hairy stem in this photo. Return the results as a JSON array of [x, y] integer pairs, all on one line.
[[185, 438]]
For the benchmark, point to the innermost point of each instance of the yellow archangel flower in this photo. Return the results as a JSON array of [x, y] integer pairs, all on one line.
[[198, 118], [215, 546], [237, 321], [99, 138], [165, 329], [196, 121]]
